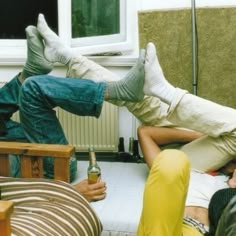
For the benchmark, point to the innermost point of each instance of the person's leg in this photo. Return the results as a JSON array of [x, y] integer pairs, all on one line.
[[164, 195], [40, 94], [9, 93], [150, 111], [9, 98], [128, 89], [35, 64], [217, 122], [11, 130]]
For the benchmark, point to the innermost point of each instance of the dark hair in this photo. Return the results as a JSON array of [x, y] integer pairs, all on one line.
[[217, 204]]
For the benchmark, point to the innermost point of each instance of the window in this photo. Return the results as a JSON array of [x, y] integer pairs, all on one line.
[[99, 25], [15, 16], [14, 20], [95, 18], [98, 21], [91, 26]]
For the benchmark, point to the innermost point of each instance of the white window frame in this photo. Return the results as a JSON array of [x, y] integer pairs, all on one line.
[[15, 51]]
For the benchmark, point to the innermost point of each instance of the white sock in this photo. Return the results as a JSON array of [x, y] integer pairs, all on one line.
[[155, 83], [55, 50]]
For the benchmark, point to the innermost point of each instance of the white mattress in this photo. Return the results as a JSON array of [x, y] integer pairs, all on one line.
[[120, 211]]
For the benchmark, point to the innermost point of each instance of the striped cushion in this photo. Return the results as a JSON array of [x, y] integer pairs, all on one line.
[[48, 208]]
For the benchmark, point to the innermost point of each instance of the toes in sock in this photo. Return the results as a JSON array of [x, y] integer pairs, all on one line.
[[155, 82], [129, 88], [55, 50], [36, 63]]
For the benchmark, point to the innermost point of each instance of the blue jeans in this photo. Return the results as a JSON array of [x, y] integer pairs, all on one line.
[[39, 95], [9, 95]]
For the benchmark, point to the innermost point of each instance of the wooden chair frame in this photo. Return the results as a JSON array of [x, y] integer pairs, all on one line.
[[31, 161]]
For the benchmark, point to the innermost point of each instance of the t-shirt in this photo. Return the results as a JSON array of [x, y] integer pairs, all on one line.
[[202, 186]]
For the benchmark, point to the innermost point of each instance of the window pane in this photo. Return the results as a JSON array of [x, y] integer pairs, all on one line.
[[16, 15], [95, 17]]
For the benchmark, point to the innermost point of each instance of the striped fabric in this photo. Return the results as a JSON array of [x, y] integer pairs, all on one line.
[[48, 208]]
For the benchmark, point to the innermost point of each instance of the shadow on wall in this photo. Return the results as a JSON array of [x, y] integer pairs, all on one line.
[[170, 31]]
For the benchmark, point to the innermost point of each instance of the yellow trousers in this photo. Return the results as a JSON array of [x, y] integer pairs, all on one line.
[[164, 197]]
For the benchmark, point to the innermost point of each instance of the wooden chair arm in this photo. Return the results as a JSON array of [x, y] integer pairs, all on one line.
[[31, 155], [6, 208]]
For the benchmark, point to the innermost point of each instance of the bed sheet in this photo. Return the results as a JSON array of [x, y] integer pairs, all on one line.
[[120, 211]]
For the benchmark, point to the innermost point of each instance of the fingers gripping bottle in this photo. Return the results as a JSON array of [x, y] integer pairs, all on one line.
[[94, 171]]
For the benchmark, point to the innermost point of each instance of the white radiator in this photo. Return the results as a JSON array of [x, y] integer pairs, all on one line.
[[82, 132], [102, 133]]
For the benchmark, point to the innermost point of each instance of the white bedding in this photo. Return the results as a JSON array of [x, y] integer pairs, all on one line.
[[120, 211]]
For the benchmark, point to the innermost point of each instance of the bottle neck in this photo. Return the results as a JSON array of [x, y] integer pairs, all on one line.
[[92, 159]]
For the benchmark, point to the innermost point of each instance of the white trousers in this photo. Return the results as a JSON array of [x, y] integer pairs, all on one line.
[[217, 122]]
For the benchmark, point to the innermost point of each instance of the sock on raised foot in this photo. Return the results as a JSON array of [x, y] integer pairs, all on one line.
[[55, 50], [36, 63], [129, 88], [155, 83]]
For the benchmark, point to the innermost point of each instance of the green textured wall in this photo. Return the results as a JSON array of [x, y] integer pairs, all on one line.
[[171, 31]]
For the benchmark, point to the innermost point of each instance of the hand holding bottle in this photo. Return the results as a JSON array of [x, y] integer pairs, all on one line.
[[92, 192]]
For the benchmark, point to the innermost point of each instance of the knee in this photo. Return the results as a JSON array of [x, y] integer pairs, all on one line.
[[143, 131], [173, 158], [172, 163], [230, 139], [32, 81], [32, 87], [29, 85], [29, 93]]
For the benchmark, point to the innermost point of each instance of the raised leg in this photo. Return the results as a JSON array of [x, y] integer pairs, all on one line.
[[192, 112], [164, 195]]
